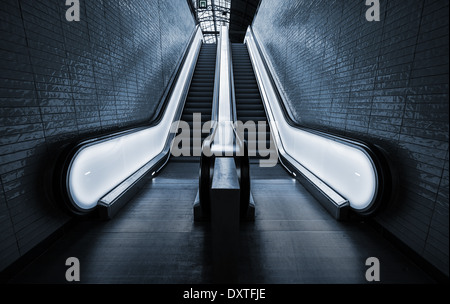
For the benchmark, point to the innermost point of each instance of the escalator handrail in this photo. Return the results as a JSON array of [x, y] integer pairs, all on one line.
[[159, 113], [232, 88], [381, 163], [215, 101], [69, 153], [220, 86]]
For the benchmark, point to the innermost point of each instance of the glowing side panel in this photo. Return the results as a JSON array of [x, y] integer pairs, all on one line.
[[224, 136], [346, 169], [98, 168], [224, 86]]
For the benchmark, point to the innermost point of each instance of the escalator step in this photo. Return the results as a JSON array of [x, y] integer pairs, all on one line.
[[200, 95], [248, 99]]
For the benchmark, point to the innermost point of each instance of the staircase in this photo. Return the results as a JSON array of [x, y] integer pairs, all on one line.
[[200, 96], [248, 100]]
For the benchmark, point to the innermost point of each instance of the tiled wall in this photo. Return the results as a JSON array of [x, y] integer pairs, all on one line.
[[63, 80], [385, 82]]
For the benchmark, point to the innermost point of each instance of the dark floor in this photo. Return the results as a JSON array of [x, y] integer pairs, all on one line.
[[153, 239]]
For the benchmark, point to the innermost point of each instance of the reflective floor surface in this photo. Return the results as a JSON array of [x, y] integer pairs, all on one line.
[[154, 240]]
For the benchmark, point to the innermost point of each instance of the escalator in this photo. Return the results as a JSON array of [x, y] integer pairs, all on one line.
[[102, 173], [200, 96], [249, 105]]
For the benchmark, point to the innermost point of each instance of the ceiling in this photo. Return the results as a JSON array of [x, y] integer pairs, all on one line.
[[242, 13], [237, 14]]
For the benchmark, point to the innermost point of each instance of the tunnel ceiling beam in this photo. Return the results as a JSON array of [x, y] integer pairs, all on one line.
[[238, 14]]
